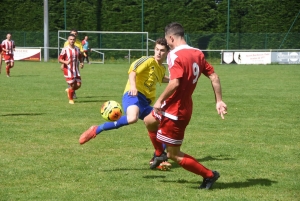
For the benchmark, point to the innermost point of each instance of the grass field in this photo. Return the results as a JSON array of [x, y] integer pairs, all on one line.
[[255, 149]]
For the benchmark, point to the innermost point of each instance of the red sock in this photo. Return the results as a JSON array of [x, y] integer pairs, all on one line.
[[71, 93], [158, 146], [189, 163]]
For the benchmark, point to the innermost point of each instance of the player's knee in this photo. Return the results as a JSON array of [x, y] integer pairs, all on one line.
[[151, 123], [132, 119]]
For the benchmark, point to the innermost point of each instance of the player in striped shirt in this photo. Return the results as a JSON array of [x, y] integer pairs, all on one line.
[[78, 44], [8, 48], [70, 57]]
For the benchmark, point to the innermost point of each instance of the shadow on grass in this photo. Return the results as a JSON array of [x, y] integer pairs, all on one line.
[[221, 185], [21, 114], [248, 183], [94, 97], [153, 176], [90, 101], [123, 169], [215, 158], [207, 158], [25, 75]]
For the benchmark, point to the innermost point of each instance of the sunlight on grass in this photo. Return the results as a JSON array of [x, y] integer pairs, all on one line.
[[255, 149]]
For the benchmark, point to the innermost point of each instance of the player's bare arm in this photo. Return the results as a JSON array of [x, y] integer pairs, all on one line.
[[133, 90], [221, 107], [64, 62], [170, 89], [81, 62]]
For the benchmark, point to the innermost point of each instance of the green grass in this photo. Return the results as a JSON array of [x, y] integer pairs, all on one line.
[[255, 149]]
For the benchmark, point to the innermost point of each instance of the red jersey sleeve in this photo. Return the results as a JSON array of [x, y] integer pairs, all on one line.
[[62, 54], [208, 68]]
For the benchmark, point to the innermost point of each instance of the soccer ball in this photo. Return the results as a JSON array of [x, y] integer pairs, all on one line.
[[111, 110]]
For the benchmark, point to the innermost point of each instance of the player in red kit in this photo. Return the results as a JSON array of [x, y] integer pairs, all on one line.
[[69, 56], [173, 109], [0, 58], [8, 48]]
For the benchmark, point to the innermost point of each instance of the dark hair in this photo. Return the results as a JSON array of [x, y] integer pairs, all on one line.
[[175, 29], [74, 30], [72, 35], [163, 42]]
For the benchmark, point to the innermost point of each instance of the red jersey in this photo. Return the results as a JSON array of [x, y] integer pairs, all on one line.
[[9, 45], [73, 54], [186, 64]]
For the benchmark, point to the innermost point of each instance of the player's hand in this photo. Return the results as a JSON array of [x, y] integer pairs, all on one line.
[[62, 67], [221, 108], [133, 92], [68, 62], [157, 107], [81, 65]]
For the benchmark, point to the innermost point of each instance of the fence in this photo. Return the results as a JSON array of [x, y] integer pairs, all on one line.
[[206, 42]]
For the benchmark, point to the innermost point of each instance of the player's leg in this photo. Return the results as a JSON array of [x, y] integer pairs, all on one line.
[[7, 68], [130, 105], [12, 63], [87, 58], [152, 122], [172, 133], [70, 90], [7, 64]]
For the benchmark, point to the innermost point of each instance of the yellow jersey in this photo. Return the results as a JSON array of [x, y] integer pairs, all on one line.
[[148, 74], [77, 44]]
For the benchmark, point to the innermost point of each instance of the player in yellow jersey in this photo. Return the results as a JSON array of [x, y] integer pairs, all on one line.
[[80, 47], [140, 90]]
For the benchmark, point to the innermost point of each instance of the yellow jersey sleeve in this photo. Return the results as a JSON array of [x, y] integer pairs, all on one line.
[[148, 74], [79, 45]]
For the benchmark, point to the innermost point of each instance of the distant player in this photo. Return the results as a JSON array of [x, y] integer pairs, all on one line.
[[86, 48], [77, 44], [8, 48], [0, 58], [70, 57]]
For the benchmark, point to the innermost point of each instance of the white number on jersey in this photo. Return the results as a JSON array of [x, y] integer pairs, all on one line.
[[196, 72]]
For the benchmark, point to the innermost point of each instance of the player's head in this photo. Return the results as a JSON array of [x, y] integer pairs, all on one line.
[[161, 50], [74, 32], [8, 36], [86, 38], [173, 31], [71, 39]]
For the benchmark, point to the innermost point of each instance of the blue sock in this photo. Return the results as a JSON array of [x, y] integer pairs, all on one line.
[[112, 125]]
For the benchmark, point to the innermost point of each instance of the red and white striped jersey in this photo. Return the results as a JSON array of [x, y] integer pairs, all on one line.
[[73, 54], [9, 45]]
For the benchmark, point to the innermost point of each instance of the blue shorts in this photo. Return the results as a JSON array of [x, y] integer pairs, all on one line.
[[140, 100]]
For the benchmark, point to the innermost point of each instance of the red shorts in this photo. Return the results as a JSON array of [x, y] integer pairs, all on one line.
[[171, 132], [72, 80], [8, 57]]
